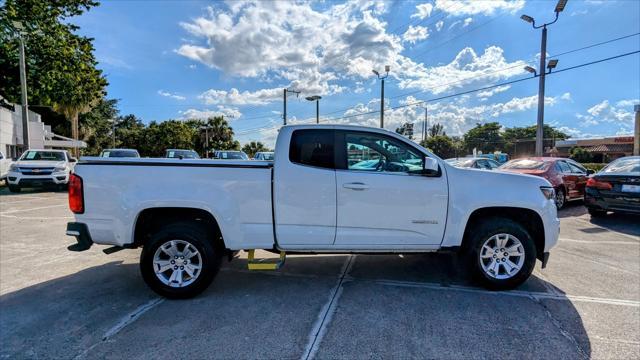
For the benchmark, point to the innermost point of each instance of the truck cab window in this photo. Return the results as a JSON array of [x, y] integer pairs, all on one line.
[[313, 147], [374, 152]]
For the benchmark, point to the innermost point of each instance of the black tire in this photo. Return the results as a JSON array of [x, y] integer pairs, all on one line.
[[62, 187], [561, 198], [14, 188], [194, 234], [485, 230], [596, 212]]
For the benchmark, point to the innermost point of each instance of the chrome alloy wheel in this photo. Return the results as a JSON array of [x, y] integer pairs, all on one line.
[[559, 199], [502, 256], [177, 263]]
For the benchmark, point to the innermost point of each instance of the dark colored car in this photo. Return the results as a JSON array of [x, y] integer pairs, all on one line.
[[120, 153], [567, 176], [181, 154], [615, 188]]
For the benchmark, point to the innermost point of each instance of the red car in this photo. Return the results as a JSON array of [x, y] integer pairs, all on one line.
[[567, 176]]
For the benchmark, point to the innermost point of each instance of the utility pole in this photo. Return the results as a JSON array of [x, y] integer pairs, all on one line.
[[382, 77], [23, 88], [113, 132], [284, 112], [636, 133], [425, 125], [540, 120], [316, 98], [542, 72]]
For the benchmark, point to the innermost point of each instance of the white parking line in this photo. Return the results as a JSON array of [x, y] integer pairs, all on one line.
[[600, 242], [32, 209], [516, 293], [597, 262], [324, 318], [124, 322], [36, 217], [609, 230]]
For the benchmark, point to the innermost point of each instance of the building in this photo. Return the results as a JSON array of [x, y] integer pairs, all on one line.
[[602, 149], [40, 134]]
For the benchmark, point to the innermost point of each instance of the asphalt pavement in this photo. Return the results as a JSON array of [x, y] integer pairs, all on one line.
[[59, 304]]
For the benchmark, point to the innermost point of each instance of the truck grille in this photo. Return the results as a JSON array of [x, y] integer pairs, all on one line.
[[36, 171]]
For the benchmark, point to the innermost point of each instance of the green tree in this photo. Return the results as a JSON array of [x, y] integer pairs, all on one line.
[[253, 147], [220, 135], [529, 132], [61, 66], [580, 154], [441, 145], [436, 129], [156, 138], [129, 133], [97, 128], [484, 137]]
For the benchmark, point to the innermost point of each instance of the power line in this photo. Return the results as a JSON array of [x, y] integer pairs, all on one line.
[[471, 91]]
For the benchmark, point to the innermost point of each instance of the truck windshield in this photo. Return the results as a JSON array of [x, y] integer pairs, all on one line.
[[120, 153], [185, 154], [233, 155], [43, 156], [526, 164]]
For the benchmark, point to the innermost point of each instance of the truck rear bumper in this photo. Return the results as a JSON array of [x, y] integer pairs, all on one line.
[[83, 238]]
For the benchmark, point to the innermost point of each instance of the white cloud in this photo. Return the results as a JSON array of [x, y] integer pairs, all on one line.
[[466, 68], [415, 33], [620, 113], [439, 25], [229, 113], [267, 39], [170, 95], [475, 7], [423, 11], [630, 103], [235, 97], [467, 22], [485, 94]]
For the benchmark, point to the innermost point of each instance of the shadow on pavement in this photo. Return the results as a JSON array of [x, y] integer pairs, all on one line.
[[624, 223], [250, 315]]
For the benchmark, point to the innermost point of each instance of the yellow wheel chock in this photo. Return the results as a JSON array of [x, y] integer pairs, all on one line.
[[259, 264]]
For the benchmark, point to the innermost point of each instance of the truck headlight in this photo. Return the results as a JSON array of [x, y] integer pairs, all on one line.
[[14, 167], [548, 192], [60, 169]]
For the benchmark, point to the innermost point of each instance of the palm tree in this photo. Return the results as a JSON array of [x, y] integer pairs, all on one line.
[[220, 135], [253, 147]]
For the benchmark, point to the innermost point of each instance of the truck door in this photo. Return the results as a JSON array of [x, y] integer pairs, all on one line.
[[383, 200], [305, 189]]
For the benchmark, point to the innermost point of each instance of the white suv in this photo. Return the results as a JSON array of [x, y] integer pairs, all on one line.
[[39, 168]]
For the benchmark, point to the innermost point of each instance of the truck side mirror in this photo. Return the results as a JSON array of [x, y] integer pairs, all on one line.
[[430, 166]]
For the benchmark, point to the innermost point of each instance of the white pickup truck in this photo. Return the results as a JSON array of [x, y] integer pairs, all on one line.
[[330, 189]]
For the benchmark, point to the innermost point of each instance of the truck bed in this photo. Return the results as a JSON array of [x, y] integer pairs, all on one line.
[[237, 193]]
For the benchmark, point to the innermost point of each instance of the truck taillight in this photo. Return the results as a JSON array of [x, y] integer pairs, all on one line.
[[76, 195], [600, 185]]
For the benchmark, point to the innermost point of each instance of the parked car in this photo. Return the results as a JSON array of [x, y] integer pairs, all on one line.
[[474, 163], [615, 188], [264, 155], [40, 168], [181, 154], [120, 153], [5, 163], [567, 176], [188, 218], [230, 155]]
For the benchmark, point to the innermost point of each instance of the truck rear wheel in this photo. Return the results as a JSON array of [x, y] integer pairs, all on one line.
[[180, 260], [14, 188], [501, 253]]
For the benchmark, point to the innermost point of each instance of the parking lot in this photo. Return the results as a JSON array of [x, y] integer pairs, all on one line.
[[59, 304]]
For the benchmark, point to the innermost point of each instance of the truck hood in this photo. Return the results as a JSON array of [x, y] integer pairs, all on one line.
[[499, 178], [40, 164]]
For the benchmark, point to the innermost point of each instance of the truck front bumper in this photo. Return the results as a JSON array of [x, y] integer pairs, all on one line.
[[81, 232]]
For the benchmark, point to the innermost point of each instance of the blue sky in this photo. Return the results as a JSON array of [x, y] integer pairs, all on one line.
[[179, 59]]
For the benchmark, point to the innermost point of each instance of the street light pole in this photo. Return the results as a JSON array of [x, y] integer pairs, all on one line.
[[316, 98], [23, 88], [541, 81], [382, 77], [540, 120]]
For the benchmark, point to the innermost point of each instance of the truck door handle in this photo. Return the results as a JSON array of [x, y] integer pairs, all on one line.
[[355, 186]]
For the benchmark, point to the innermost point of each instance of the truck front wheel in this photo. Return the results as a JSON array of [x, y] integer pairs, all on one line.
[[501, 253], [180, 260]]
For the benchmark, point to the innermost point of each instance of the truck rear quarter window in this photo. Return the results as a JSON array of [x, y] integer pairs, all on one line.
[[313, 147]]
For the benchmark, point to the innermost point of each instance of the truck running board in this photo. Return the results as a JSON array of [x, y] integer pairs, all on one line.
[[260, 264]]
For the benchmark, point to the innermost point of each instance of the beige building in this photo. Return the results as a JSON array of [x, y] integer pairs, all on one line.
[[603, 149]]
